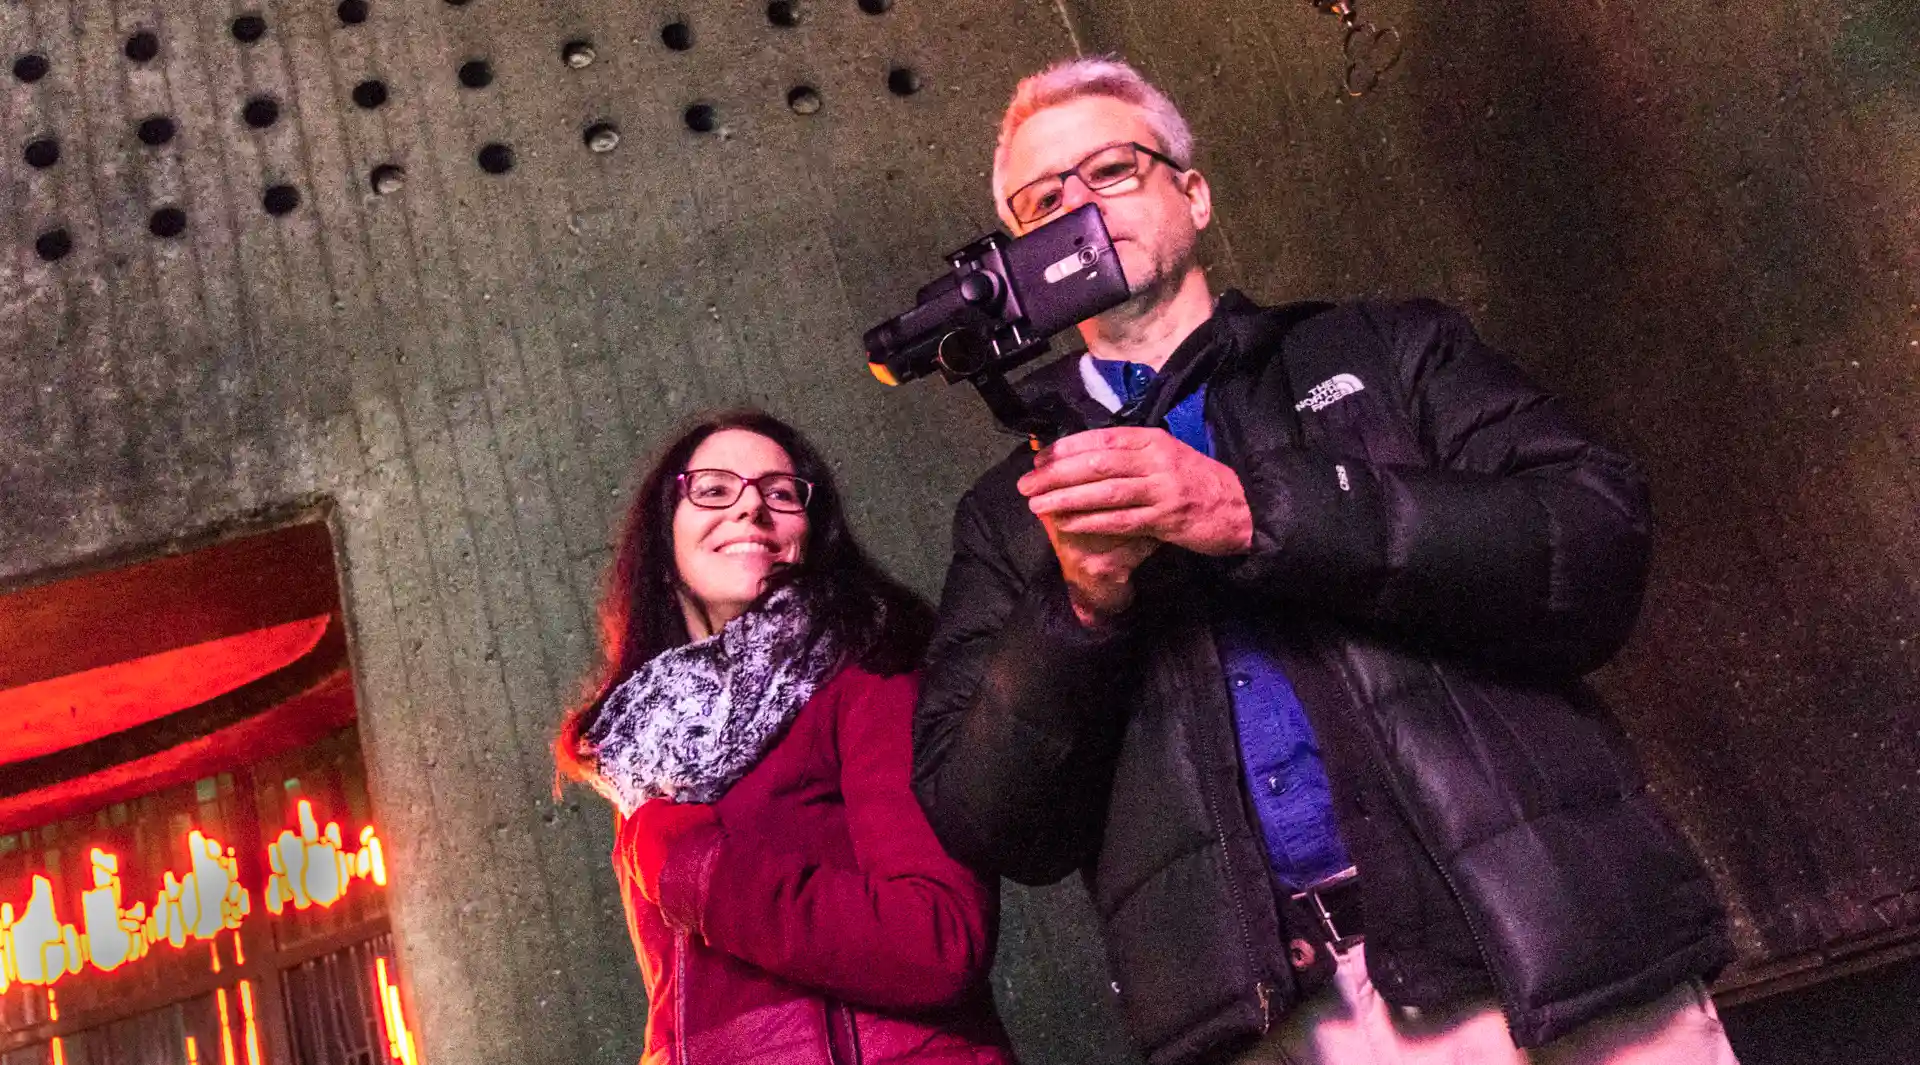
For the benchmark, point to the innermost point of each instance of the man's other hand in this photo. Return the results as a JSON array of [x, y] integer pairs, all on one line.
[[1132, 482], [1098, 570]]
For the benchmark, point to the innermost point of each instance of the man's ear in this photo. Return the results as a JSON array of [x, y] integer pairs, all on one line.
[[1199, 198]]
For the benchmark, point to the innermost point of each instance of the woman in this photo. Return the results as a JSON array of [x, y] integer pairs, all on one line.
[[787, 899]]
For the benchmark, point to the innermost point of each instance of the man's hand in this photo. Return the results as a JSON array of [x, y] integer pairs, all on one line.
[[1098, 570], [1131, 482]]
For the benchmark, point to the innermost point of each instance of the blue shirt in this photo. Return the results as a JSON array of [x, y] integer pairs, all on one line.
[[1285, 777]]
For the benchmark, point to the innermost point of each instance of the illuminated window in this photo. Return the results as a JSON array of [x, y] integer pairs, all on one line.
[[209, 897]]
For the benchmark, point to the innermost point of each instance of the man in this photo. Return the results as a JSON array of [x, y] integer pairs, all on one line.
[[1288, 664]]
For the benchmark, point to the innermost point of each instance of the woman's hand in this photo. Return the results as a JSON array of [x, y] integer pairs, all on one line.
[[649, 836]]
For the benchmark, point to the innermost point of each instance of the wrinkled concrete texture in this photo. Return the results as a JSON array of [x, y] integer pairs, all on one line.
[[1698, 220]]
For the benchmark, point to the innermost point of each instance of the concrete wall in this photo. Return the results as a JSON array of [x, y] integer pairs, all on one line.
[[1698, 220]]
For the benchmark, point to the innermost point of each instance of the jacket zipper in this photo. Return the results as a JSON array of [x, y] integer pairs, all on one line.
[[680, 993], [1209, 414], [840, 1022], [1260, 988], [1466, 914], [1352, 709], [1419, 835]]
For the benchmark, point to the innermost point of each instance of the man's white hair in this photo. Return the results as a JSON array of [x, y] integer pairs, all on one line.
[[1072, 79]]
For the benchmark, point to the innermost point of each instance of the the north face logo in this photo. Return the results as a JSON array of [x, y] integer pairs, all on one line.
[[1331, 391]]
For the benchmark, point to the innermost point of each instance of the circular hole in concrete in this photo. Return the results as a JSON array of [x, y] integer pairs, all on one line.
[[701, 118], [903, 81], [42, 153], [601, 137], [495, 158], [476, 73], [280, 199], [30, 67], [53, 245], [167, 222], [261, 112], [155, 131], [351, 12], [875, 7], [248, 28], [803, 99], [387, 179], [142, 46], [577, 54], [370, 94], [456, 3], [677, 36], [784, 13]]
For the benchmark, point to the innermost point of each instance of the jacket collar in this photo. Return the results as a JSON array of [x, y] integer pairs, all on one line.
[[1238, 329]]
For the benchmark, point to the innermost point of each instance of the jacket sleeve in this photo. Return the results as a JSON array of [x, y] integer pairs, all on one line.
[[1019, 722], [1524, 543], [908, 929]]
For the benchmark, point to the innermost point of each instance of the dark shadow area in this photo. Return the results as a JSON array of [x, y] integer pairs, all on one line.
[[1870, 1018], [1663, 218]]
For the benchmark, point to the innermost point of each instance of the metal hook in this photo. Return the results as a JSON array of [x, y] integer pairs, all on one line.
[[1374, 38]]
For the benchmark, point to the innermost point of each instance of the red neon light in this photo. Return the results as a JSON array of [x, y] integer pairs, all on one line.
[[253, 1032], [393, 1023], [309, 869], [314, 869], [226, 1028], [53, 1014], [113, 936]]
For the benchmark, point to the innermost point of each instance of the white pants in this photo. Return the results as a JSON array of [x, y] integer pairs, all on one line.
[[1348, 1023]]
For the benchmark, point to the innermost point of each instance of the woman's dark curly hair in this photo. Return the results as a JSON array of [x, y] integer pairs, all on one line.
[[884, 622]]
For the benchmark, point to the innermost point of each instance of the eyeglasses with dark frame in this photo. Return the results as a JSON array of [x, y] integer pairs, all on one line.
[[1102, 171], [720, 489]]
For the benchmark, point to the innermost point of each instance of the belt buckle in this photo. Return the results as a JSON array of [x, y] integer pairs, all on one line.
[[1310, 895]]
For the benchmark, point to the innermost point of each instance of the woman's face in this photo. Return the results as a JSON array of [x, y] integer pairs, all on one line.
[[724, 556]]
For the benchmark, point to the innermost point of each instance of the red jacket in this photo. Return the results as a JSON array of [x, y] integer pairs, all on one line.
[[823, 925]]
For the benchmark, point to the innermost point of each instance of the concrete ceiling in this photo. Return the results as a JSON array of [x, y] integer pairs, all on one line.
[[122, 679]]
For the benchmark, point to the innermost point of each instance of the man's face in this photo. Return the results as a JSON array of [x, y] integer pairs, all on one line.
[[1155, 225]]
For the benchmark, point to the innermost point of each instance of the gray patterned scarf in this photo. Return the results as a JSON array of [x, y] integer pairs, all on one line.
[[696, 718]]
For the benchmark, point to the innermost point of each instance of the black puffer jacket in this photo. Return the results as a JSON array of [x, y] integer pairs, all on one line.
[[1447, 554]]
